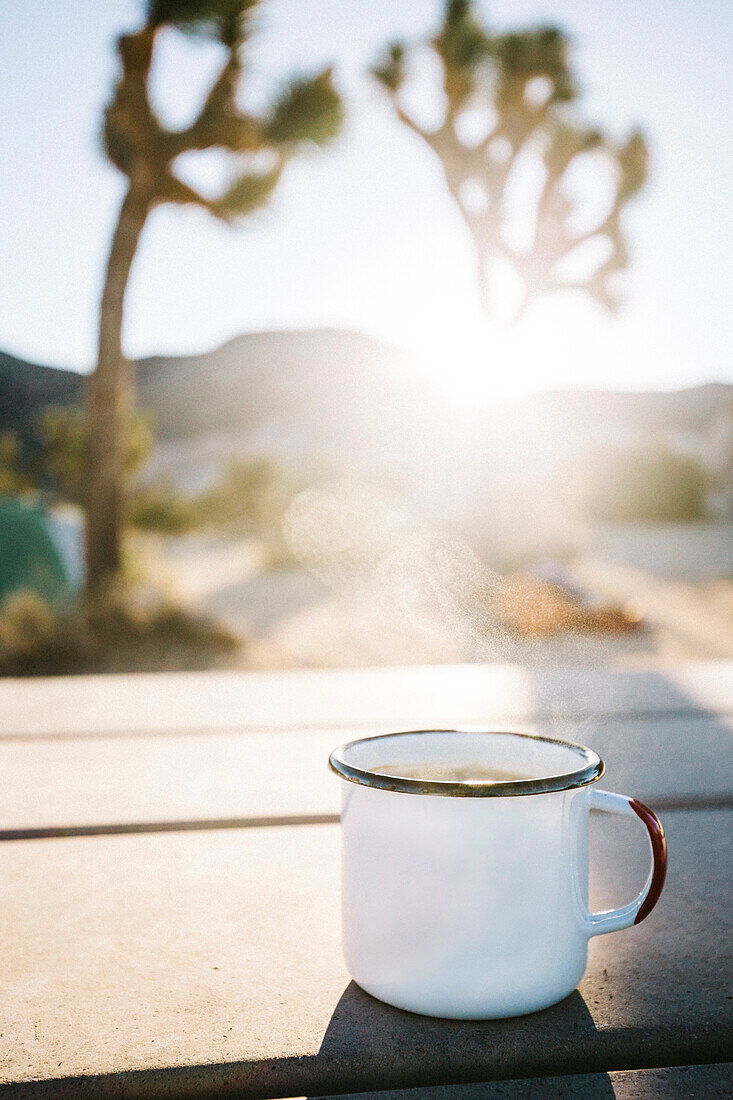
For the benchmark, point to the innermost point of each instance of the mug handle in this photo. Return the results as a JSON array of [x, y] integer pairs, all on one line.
[[636, 911]]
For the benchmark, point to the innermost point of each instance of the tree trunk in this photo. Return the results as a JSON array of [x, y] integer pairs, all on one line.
[[108, 402]]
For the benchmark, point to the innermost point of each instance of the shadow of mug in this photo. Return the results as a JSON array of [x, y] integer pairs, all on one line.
[[369, 1045]]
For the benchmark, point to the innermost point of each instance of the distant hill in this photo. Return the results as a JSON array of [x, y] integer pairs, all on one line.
[[321, 374], [643, 412], [26, 389], [338, 392], [256, 377]]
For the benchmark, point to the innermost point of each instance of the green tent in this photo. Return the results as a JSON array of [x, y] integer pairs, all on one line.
[[29, 558]]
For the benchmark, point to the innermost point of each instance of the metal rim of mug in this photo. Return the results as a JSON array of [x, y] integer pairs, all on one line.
[[593, 769]]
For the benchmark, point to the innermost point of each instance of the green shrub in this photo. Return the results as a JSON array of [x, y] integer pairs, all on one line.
[[28, 625], [14, 480], [64, 433], [158, 507], [116, 636], [252, 493], [250, 497], [644, 485]]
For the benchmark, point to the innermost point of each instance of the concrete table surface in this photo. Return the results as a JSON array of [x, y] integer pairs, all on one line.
[[69, 782], [677, 1083], [134, 750], [411, 698], [203, 963]]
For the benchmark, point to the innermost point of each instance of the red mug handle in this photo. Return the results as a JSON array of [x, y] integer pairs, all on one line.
[[640, 908]]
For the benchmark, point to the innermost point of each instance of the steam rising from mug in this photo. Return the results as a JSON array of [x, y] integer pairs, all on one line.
[[408, 591], [395, 571]]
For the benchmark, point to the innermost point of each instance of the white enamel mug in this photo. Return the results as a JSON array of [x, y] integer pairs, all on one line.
[[470, 899]]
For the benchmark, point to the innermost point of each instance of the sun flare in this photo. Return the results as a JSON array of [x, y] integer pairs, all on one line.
[[479, 364]]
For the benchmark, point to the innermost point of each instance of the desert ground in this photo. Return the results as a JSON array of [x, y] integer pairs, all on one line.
[[290, 618]]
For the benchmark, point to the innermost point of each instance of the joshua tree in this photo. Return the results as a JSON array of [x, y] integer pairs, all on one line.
[[521, 88], [145, 151]]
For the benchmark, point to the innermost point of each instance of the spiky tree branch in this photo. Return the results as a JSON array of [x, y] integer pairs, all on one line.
[[524, 82], [308, 111]]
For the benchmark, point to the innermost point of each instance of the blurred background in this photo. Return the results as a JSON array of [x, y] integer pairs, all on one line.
[[339, 334]]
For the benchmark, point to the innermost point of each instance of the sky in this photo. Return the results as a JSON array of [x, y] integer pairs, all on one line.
[[364, 235]]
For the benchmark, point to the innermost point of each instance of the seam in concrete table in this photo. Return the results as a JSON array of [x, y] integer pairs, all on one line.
[[676, 1083]]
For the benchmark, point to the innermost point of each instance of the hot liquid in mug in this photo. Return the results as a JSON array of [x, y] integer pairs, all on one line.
[[467, 896]]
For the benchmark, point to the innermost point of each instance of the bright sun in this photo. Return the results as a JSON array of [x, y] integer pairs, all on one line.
[[481, 365], [563, 343]]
